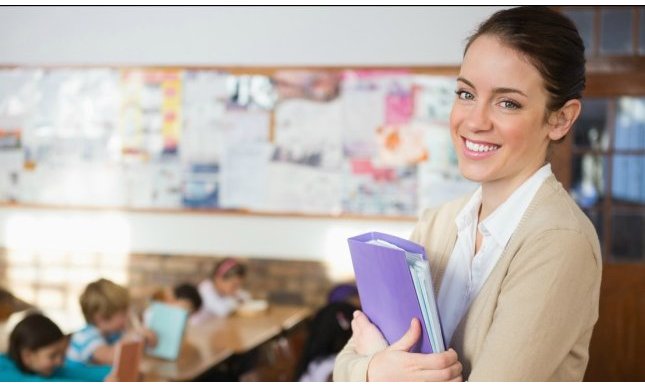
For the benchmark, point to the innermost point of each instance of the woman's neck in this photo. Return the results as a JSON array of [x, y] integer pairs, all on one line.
[[494, 193]]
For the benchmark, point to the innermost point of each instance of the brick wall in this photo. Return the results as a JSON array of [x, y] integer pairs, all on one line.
[[55, 279], [280, 281]]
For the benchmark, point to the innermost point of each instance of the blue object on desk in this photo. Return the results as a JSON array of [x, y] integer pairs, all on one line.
[[169, 323]]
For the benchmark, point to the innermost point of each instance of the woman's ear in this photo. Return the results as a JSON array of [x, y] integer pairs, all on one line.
[[562, 120]]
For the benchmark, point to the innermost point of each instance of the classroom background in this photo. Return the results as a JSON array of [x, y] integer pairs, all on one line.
[[144, 144]]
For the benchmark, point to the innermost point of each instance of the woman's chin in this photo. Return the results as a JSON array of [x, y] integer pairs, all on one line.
[[473, 174]]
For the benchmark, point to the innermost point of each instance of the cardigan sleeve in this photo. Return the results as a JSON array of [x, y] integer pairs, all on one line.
[[350, 366], [548, 300]]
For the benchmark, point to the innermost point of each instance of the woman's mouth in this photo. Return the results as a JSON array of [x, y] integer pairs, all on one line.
[[479, 150]]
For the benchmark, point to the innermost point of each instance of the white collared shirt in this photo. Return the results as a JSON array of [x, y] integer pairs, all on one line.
[[466, 272]]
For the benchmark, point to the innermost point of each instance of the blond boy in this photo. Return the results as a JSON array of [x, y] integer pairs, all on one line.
[[105, 307]]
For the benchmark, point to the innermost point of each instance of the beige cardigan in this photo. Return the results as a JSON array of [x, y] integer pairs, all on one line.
[[533, 318]]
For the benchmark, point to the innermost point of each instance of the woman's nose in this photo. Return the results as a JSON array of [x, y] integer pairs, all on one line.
[[478, 118]]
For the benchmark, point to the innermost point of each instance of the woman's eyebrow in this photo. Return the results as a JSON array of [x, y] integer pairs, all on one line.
[[464, 80], [503, 90], [497, 90]]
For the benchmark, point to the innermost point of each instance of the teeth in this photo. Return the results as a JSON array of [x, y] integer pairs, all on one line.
[[479, 147]]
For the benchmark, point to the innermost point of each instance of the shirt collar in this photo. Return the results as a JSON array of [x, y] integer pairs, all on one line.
[[469, 213], [504, 220]]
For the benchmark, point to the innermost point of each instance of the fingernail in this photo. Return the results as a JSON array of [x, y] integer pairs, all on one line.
[[356, 313]]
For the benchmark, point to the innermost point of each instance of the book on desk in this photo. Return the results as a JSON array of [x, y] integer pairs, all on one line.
[[169, 323], [127, 359], [394, 285]]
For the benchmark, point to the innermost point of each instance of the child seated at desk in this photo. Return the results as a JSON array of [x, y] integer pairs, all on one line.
[[37, 353], [222, 292], [329, 331], [105, 308], [185, 296]]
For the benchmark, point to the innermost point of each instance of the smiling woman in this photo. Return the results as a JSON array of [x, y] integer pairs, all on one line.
[[517, 263], [501, 126]]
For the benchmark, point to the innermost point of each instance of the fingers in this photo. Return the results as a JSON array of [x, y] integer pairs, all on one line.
[[434, 361], [360, 321], [452, 373], [409, 338]]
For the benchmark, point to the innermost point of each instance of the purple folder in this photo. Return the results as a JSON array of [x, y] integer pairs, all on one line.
[[386, 288]]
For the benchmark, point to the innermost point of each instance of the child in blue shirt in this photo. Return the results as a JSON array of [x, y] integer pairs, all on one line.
[[37, 352], [105, 308]]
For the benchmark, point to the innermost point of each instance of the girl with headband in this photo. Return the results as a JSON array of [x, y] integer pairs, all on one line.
[[222, 292]]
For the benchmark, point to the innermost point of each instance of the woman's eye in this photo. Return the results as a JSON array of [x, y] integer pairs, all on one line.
[[510, 105], [461, 94]]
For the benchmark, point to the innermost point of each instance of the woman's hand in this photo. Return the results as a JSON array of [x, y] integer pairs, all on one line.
[[367, 337], [395, 363]]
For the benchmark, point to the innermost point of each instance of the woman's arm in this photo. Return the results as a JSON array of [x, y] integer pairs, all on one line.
[[548, 300], [368, 358]]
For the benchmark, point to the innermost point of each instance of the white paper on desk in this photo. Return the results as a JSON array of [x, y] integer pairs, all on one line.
[[243, 175], [309, 133]]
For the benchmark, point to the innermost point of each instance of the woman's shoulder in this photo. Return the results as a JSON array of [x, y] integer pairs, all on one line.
[[554, 209], [554, 215]]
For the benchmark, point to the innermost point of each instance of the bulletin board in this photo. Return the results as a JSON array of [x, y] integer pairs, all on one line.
[[332, 141]]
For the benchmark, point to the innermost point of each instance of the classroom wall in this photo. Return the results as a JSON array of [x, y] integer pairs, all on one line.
[[220, 36], [237, 35]]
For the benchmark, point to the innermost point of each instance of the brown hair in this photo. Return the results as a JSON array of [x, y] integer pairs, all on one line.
[[549, 40], [105, 298], [34, 332]]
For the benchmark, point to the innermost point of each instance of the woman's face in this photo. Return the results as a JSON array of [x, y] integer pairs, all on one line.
[[498, 119], [44, 361]]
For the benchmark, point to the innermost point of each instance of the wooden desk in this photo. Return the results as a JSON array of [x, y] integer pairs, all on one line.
[[196, 356], [214, 340]]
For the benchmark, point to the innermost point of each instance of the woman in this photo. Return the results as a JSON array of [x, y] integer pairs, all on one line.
[[517, 265]]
